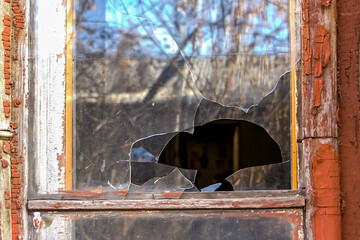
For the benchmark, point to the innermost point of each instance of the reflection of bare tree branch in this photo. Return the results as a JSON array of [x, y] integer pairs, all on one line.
[[171, 70], [126, 59]]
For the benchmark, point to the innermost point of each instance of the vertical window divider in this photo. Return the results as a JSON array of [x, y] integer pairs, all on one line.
[[293, 96], [69, 96]]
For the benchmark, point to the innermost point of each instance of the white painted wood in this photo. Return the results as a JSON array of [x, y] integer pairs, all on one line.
[[50, 43]]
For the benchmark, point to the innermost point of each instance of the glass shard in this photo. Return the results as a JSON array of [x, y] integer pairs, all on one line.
[[211, 188], [267, 177], [141, 155], [142, 172], [174, 182], [272, 113]]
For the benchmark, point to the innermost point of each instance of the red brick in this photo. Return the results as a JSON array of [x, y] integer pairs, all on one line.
[[7, 195], [16, 181], [15, 205], [5, 38], [7, 204], [8, 82], [17, 102], [7, 111], [14, 220], [7, 44], [6, 147], [14, 161], [15, 228], [4, 163], [7, 22], [6, 103], [6, 31]]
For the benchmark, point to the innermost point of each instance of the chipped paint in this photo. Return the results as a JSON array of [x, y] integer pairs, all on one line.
[[326, 2], [317, 92], [38, 222], [50, 95], [326, 186], [306, 52], [322, 54]]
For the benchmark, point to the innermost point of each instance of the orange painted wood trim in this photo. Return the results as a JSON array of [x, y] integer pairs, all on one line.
[[293, 44], [69, 92]]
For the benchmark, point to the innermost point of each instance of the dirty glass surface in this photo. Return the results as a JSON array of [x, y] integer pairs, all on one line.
[[251, 225], [146, 71]]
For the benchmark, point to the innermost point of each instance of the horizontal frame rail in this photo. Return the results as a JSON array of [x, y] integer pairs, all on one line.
[[297, 201]]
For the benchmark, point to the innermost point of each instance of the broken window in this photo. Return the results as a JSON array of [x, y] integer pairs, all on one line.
[[176, 96]]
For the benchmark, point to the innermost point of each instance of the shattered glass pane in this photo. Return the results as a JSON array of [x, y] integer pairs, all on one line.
[[146, 71], [217, 225], [173, 182]]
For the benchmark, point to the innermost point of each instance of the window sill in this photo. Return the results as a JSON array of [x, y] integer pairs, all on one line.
[[224, 200]]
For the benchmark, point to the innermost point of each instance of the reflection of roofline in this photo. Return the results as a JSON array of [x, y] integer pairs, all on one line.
[[129, 98]]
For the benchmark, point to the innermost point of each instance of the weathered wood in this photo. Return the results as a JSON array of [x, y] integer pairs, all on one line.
[[319, 87], [296, 201]]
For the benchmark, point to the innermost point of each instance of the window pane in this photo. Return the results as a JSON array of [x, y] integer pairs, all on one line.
[[168, 96], [222, 225], [179, 79]]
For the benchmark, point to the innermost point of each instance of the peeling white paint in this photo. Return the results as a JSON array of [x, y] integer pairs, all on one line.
[[50, 94], [38, 222]]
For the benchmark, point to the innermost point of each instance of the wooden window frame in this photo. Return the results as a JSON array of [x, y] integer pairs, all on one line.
[[269, 199]]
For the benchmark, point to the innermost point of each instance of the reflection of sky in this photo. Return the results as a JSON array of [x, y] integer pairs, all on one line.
[[161, 27]]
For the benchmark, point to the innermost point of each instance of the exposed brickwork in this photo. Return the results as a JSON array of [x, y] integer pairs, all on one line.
[[17, 203], [13, 22], [6, 38]]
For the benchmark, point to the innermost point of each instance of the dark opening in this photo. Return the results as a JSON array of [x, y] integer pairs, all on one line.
[[220, 148]]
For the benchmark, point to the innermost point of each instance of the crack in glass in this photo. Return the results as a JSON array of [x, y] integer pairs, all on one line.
[[147, 70]]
